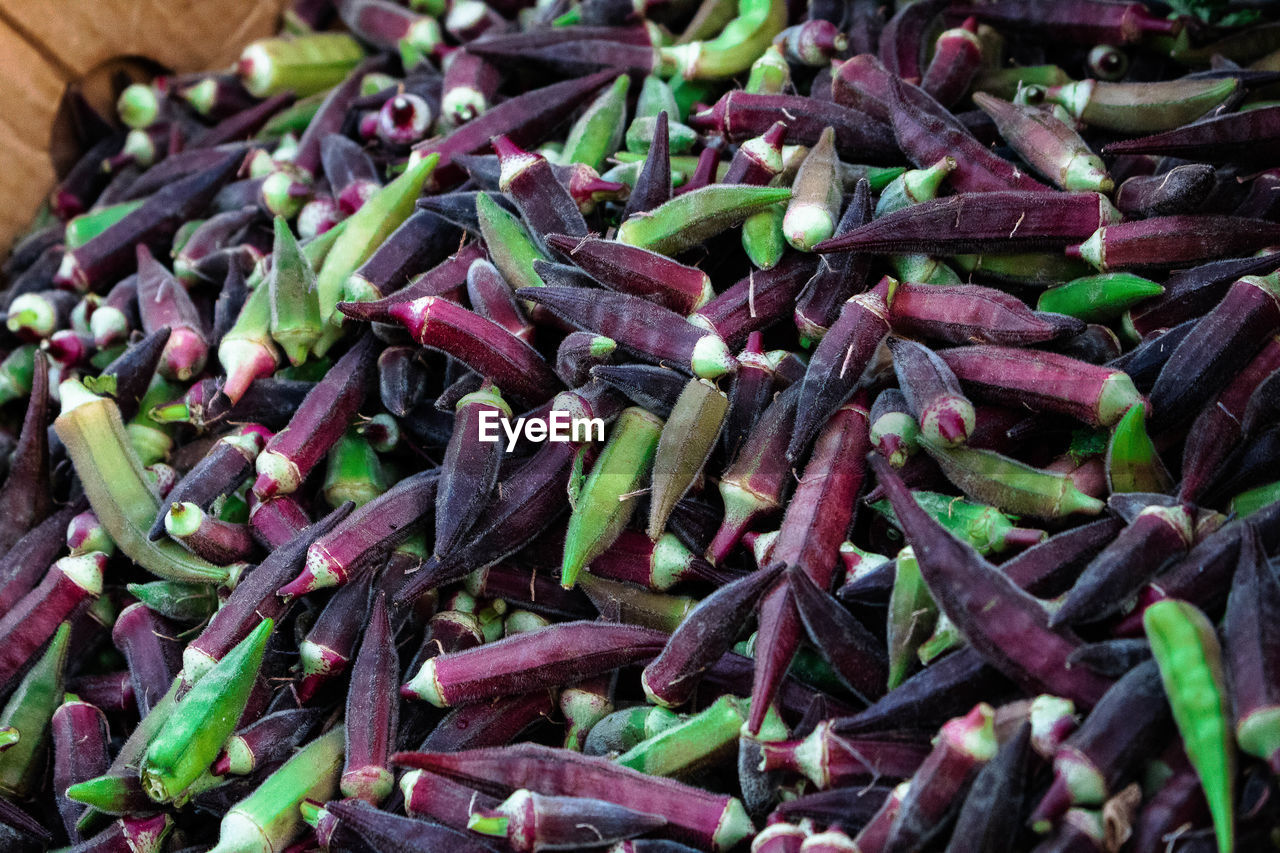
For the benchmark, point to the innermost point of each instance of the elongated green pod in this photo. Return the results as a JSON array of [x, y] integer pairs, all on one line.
[[598, 132], [1098, 298], [295, 305], [688, 437], [28, 712], [690, 219], [1013, 486], [115, 483], [1186, 648], [912, 616], [1133, 465]]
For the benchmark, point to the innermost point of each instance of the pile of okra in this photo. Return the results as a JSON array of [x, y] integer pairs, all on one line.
[[655, 426]]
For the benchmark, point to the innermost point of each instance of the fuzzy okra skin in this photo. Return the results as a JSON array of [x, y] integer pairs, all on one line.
[[106, 463]]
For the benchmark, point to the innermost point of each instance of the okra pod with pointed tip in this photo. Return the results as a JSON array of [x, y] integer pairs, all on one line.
[[491, 297], [815, 196], [222, 543], [469, 470], [560, 654], [853, 652], [831, 760], [1048, 143], [530, 821], [840, 274], [630, 269], [1136, 107], [35, 617], [1174, 241], [25, 499], [1133, 463], [757, 301], [78, 731], [740, 116], [151, 648], [945, 415], [29, 709], [696, 216], [369, 735], [331, 643], [1249, 643], [265, 741], [688, 437]]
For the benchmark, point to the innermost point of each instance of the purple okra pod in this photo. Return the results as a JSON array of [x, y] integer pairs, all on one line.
[[749, 394], [903, 39], [162, 301], [579, 352], [358, 544], [531, 822], [150, 645], [740, 116], [26, 562], [836, 368], [222, 543], [331, 643], [254, 598], [421, 241], [556, 655], [1189, 294], [1251, 644], [840, 275], [1086, 22], [1164, 242], [704, 635], [480, 343], [757, 301], [372, 711], [957, 59], [695, 816], [220, 472], [830, 760], [104, 257], [640, 272], [1051, 566], [1004, 221], [545, 203], [25, 500], [1006, 625], [78, 731], [469, 470], [485, 724], [945, 415], [649, 386], [650, 331], [1157, 535], [318, 422], [356, 825], [68, 586], [266, 741], [434, 797], [855, 654], [1127, 725], [971, 313], [990, 817], [491, 297]]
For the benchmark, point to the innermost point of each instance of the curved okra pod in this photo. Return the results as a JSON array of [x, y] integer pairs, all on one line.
[[1133, 463], [606, 500], [971, 313], [1186, 649], [491, 297], [1191, 293], [741, 116], [1013, 486], [1041, 137], [1044, 381], [704, 635], [150, 648], [480, 343], [1157, 535], [469, 470], [731, 52], [530, 821], [104, 459], [631, 269], [973, 594], [692, 218], [318, 423], [688, 437], [839, 360], [945, 415], [556, 655], [29, 709], [693, 815], [270, 818], [194, 733], [650, 331], [25, 498], [78, 731]]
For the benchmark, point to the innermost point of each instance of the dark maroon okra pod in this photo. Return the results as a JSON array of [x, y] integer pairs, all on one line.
[[640, 272], [1130, 721], [704, 635], [1241, 137], [831, 760], [855, 654], [649, 386], [971, 313], [1164, 242], [531, 822], [331, 643], [318, 422], [486, 724], [653, 185], [220, 472], [421, 241], [372, 711], [110, 253], [356, 825], [544, 202], [740, 115], [1189, 294], [750, 393], [759, 300], [25, 500], [266, 741], [840, 275], [945, 415], [70, 583], [469, 470], [23, 565], [1252, 649], [1051, 566], [556, 655], [150, 645], [990, 818], [1086, 22], [491, 297], [1006, 625], [78, 731], [698, 817]]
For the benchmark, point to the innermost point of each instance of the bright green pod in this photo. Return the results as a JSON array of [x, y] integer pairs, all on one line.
[[83, 228], [28, 711], [365, 230], [139, 105], [304, 65], [203, 719], [1247, 503], [945, 637], [694, 743], [762, 237], [294, 118], [607, 499], [770, 73], [182, 601], [511, 248], [690, 92], [295, 304], [1133, 465], [1098, 298], [986, 528], [109, 793], [688, 437], [598, 132], [8, 737], [656, 97], [1186, 648], [353, 472], [1012, 486], [16, 372], [270, 818], [151, 438], [680, 137], [694, 217], [912, 616], [736, 47]]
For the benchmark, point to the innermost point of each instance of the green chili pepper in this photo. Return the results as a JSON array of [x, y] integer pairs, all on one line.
[[1187, 651]]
